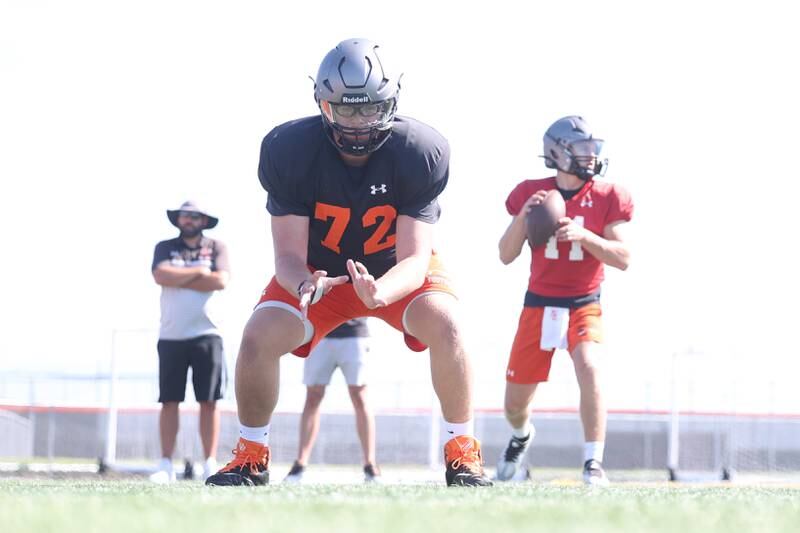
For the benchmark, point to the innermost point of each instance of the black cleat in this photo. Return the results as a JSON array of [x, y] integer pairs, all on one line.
[[188, 470], [511, 460], [372, 474], [462, 455], [295, 474], [249, 467], [593, 474]]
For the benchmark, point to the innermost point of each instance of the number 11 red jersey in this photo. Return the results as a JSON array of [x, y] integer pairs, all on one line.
[[565, 269]]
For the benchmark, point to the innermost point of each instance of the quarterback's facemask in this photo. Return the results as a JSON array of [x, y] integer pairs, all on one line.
[[584, 157], [570, 147]]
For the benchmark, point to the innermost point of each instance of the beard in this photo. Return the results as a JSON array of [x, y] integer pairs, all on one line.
[[189, 232]]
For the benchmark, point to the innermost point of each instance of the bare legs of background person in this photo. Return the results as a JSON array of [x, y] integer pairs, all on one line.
[[309, 422], [365, 422]]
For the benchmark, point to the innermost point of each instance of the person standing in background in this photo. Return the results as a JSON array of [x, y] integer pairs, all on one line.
[[345, 347], [190, 269]]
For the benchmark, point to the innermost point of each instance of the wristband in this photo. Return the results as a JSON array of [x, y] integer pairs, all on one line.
[[315, 297]]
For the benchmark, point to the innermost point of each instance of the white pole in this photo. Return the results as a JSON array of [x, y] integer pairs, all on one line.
[[110, 456], [434, 449], [51, 437], [674, 423]]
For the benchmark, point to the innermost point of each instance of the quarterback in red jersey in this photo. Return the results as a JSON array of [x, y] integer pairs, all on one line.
[[562, 304]]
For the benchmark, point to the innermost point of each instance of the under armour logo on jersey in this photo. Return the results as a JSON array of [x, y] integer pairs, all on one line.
[[510, 373], [374, 189], [586, 201]]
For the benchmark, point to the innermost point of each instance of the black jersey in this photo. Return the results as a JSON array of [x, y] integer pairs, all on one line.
[[356, 327], [352, 211]]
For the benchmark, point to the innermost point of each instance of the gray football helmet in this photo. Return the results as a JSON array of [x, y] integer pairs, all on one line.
[[569, 146], [356, 97]]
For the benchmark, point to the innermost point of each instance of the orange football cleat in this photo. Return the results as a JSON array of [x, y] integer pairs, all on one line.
[[249, 467], [462, 456]]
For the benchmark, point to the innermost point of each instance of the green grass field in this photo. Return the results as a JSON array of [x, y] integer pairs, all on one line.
[[107, 506]]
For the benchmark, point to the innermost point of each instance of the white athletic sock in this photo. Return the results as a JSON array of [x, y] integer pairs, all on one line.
[[259, 434], [593, 450], [165, 465], [209, 466], [524, 431], [454, 430]]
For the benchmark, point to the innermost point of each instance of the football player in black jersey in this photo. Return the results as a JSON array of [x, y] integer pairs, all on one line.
[[353, 199]]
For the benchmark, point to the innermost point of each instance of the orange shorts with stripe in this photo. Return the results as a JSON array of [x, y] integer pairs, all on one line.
[[342, 304], [531, 364]]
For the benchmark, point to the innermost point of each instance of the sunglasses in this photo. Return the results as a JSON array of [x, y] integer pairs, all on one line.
[[363, 110], [190, 214]]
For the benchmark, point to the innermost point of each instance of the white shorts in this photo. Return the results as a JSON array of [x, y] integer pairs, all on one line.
[[347, 353]]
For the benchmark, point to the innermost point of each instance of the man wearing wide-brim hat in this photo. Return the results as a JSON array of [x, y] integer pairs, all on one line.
[[189, 208], [189, 268]]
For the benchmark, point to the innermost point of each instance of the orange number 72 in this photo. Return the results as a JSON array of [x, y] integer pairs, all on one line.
[[382, 215]]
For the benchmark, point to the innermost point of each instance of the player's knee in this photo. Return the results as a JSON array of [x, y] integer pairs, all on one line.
[[314, 396], [251, 343], [357, 396], [585, 367], [444, 333], [433, 320], [254, 344]]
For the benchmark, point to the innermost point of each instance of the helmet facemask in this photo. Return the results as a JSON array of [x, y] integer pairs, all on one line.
[[580, 158], [584, 159], [356, 97], [358, 129]]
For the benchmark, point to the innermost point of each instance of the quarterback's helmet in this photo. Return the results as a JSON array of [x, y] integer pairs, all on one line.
[[357, 98], [569, 146]]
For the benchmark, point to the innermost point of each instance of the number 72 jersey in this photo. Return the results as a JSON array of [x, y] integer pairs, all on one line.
[[565, 269], [353, 211]]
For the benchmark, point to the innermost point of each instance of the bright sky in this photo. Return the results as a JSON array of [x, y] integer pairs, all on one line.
[[112, 112]]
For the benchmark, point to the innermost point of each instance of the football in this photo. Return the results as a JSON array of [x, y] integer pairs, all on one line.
[[542, 220]]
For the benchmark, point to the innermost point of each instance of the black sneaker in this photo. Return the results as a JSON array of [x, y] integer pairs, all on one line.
[[512, 457], [593, 473], [462, 455], [188, 470], [295, 474], [372, 474], [249, 467]]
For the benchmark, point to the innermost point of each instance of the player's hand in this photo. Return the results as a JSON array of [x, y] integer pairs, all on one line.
[[313, 289], [364, 284], [568, 230], [535, 199]]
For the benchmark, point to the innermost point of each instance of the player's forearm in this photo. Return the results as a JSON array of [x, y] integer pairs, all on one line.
[[511, 242], [291, 271], [612, 253], [403, 278], [169, 276], [214, 281]]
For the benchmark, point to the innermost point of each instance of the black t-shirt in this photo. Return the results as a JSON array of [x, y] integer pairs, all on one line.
[[208, 252], [352, 212], [356, 327]]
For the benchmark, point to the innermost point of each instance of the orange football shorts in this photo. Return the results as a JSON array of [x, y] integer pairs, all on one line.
[[528, 362], [342, 304]]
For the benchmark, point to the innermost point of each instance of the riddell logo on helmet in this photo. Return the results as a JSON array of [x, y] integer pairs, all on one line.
[[355, 99]]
